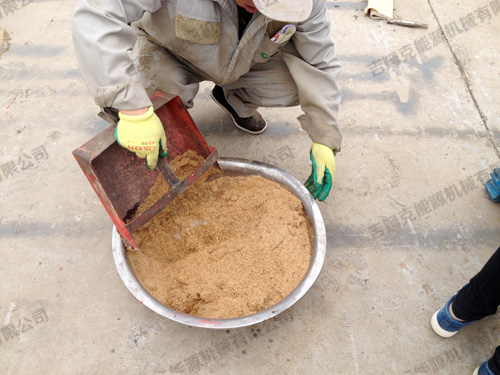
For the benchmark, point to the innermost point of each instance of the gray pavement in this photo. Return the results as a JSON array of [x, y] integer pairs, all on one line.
[[408, 222]]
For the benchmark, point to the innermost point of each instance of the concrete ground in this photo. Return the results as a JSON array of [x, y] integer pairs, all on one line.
[[408, 221]]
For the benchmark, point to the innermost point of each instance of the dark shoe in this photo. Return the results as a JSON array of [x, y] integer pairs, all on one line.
[[253, 125]]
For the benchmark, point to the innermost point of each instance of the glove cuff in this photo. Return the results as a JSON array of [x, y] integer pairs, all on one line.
[[319, 146], [137, 118]]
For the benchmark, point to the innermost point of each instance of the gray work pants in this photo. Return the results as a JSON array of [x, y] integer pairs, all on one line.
[[266, 85]]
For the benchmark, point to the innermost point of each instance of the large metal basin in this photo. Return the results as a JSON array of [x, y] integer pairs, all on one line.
[[239, 167]]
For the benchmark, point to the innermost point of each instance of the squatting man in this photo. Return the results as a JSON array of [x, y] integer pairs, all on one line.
[[260, 53]]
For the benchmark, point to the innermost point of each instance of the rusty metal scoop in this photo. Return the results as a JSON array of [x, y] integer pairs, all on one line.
[[122, 181]]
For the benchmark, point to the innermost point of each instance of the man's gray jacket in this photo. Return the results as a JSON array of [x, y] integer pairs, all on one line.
[[203, 34]]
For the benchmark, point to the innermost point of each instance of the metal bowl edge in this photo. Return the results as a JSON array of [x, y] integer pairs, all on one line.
[[245, 167]]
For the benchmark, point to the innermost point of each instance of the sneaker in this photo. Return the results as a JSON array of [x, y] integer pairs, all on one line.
[[444, 324], [484, 369], [253, 125]]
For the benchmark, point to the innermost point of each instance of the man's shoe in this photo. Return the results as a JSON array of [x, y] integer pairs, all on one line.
[[253, 125], [444, 324], [484, 369]]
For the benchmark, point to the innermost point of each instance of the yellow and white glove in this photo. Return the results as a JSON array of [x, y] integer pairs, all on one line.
[[320, 181], [143, 135]]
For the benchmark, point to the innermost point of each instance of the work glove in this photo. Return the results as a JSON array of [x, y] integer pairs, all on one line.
[[143, 135], [320, 181]]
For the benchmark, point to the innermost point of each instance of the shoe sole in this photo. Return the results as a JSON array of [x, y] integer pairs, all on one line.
[[436, 327], [475, 371], [234, 121]]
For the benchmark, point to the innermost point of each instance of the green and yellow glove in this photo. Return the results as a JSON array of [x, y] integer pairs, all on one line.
[[320, 181], [143, 135]]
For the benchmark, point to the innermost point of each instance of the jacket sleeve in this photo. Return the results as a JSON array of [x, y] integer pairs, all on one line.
[[314, 67], [103, 40]]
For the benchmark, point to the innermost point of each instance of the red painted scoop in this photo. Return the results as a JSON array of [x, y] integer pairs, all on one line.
[[121, 179]]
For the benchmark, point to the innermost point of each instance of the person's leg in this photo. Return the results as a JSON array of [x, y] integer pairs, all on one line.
[[267, 85], [161, 71], [481, 297], [494, 362], [491, 366]]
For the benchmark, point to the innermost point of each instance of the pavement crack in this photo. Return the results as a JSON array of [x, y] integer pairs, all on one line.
[[466, 80]]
